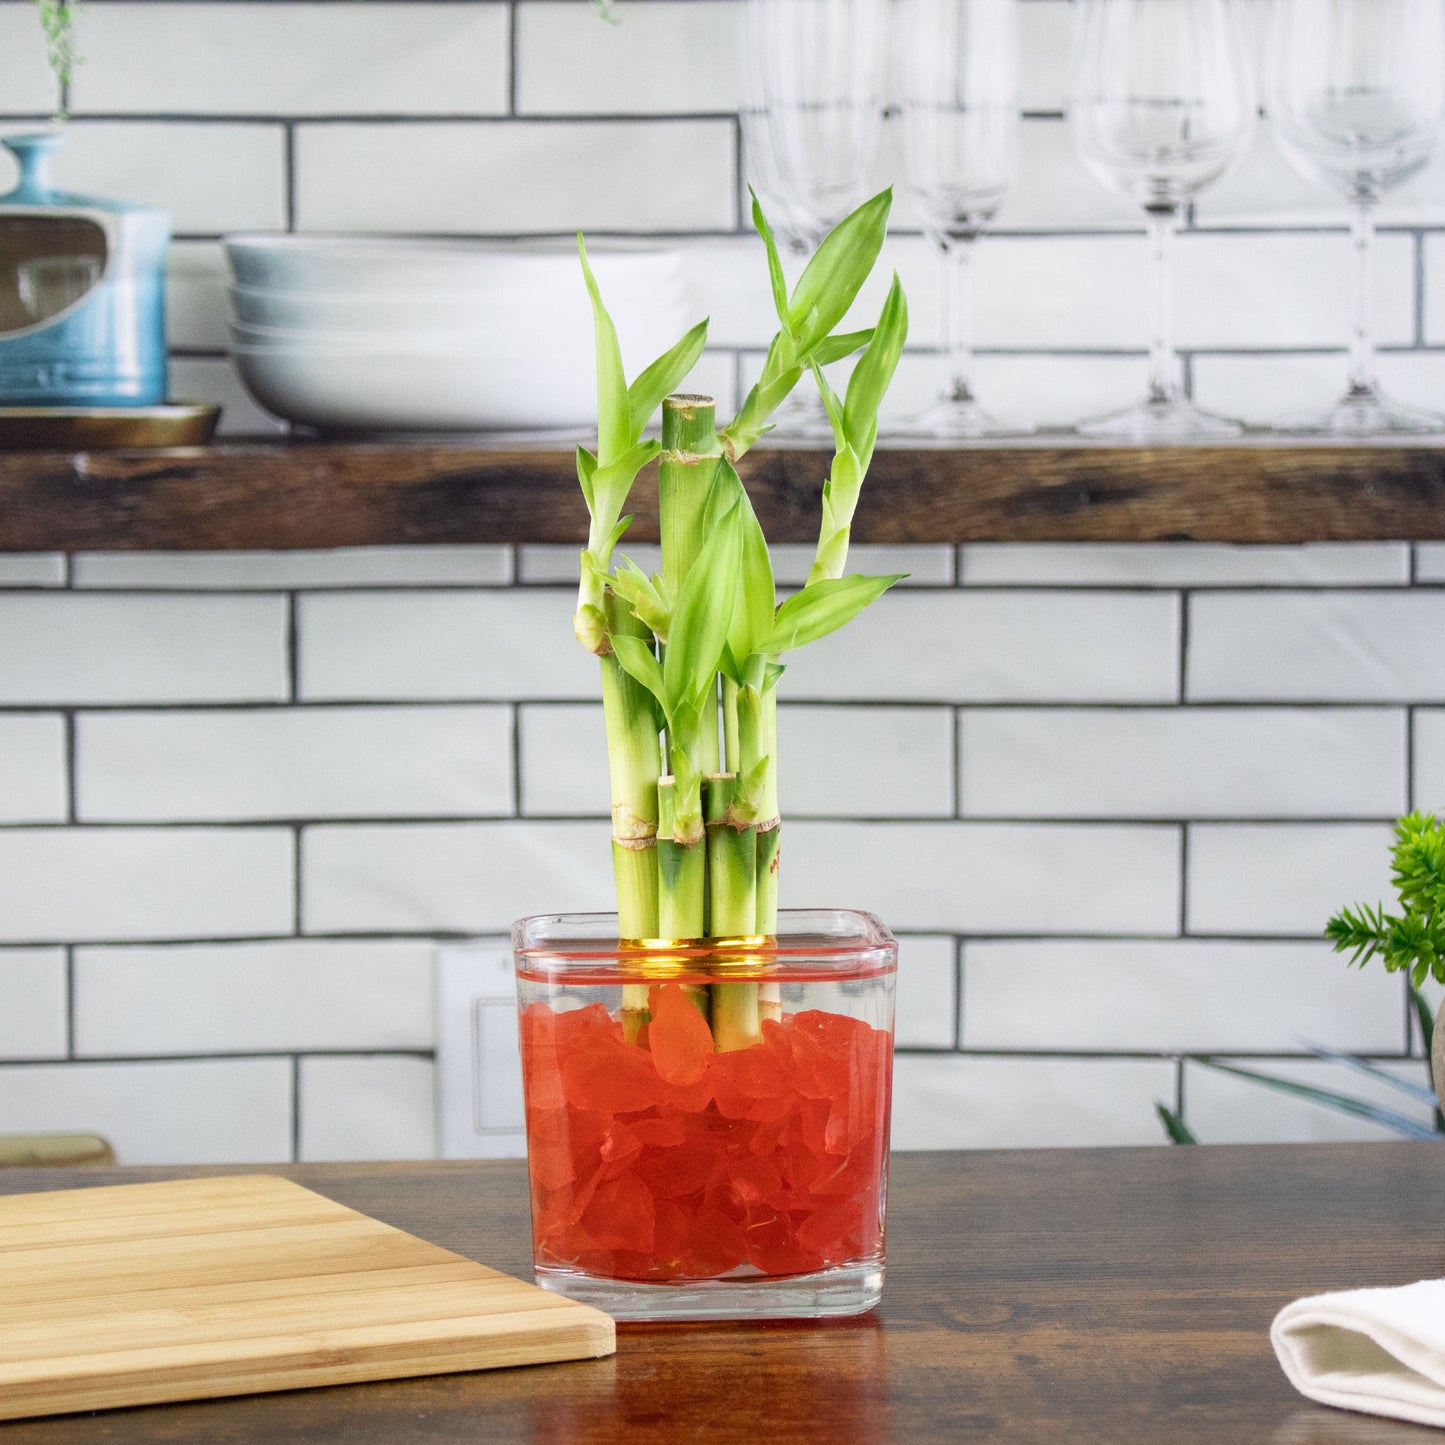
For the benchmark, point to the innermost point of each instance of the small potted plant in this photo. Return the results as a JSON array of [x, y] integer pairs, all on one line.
[[707, 1077], [1413, 939]]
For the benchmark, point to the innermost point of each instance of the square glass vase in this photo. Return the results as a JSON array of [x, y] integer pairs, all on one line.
[[707, 1119]]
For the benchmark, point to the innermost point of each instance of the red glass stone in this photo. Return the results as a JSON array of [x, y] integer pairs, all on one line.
[[665, 1160]]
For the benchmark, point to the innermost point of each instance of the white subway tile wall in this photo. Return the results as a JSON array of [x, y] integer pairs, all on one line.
[[1106, 795]]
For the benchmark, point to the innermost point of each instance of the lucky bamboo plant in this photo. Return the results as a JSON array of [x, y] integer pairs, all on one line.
[[690, 657]]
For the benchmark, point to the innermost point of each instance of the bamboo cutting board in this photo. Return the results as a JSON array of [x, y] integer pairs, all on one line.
[[188, 1289]]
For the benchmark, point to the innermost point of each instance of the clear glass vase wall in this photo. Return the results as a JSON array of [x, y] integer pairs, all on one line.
[[672, 1181]]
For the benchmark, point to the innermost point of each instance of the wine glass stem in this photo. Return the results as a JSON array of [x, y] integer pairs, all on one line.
[[1160, 223], [1364, 380], [956, 253]]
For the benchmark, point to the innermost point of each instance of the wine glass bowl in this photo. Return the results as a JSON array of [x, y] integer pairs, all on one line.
[[811, 118], [1161, 103], [958, 118], [1355, 93]]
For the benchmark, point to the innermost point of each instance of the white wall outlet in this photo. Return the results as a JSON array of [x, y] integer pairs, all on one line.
[[479, 1068]]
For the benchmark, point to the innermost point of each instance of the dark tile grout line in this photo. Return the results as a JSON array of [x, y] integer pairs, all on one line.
[[943, 818], [72, 783], [1186, 607], [289, 177], [955, 761], [293, 648], [1417, 281], [1410, 758], [880, 702], [70, 1001], [296, 1108], [959, 984], [517, 760], [1077, 1053], [512, 39], [1184, 834], [298, 921]]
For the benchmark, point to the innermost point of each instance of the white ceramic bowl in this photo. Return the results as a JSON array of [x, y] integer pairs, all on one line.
[[385, 333], [473, 341], [360, 390], [399, 265], [311, 311]]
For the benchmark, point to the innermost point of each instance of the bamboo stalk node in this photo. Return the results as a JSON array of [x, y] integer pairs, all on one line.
[[590, 627], [630, 827], [687, 459]]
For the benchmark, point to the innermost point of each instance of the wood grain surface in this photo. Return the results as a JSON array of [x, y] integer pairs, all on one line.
[[188, 1289], [1063, 1296], [299, 494]]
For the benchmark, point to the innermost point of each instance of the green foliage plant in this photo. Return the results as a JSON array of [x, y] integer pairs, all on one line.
[[57, 20], [1411, 941], [691, 656]]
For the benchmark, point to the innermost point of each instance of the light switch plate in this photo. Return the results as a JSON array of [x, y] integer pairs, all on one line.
[[479, 1068]]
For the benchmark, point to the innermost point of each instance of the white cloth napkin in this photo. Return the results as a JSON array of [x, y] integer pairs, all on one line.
[[1377, 1350]]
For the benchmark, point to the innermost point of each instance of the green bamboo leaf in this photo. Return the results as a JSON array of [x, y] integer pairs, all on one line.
[[833, 405], [586, 466], [703, 614], [662, 378], [1343, 1103], [757, 597], [613, 414], [1418, 1092], [833, 277], [612, 483], [640, 662], [1178, 1131], [687, 809], [644, 595], [775, 264], [835, 348], [724, 492], [821, 608], [874, 372]]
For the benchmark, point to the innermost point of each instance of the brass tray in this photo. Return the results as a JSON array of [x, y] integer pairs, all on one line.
[[106, 428]]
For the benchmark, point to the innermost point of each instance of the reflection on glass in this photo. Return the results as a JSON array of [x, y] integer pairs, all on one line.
[[46, 285]]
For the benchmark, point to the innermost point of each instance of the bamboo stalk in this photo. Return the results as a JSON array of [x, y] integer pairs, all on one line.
[[769, 836], [681, 869], [686, 466], [634, 762], [732, 890]]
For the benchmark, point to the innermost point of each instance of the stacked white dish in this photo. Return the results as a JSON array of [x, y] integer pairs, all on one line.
[[375, 333]]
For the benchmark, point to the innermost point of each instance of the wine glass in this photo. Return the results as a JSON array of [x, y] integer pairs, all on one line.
[[958, 111], [1355, 93], [812, 115], [1161, 103]]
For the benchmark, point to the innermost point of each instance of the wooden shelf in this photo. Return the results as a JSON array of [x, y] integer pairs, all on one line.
[[273, 495]]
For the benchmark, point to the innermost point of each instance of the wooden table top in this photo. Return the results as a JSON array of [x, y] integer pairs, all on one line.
[[1119, 1295]]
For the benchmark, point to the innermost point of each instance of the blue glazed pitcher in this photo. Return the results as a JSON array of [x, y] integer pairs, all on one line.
[[82, 293]]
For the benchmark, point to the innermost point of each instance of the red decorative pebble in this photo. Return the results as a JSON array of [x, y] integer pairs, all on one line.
[[663, 1160]]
